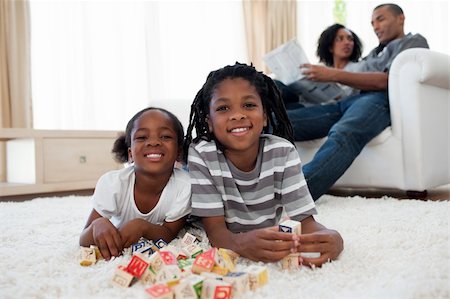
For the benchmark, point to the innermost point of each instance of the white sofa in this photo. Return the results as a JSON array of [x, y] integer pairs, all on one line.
[[413, 154]]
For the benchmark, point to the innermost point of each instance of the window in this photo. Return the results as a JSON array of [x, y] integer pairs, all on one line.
[[96, 63]]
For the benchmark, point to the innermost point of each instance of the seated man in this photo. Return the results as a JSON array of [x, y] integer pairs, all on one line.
[[352, 122]]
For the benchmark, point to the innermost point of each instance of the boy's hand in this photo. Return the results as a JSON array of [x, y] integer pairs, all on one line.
[[132, 231], [328, 242], [267, 245], [106, 237]]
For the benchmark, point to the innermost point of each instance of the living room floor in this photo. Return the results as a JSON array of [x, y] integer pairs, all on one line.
[[440, 193]]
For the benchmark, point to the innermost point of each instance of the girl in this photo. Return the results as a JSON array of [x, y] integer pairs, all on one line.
[[242, 178], [150, 198]]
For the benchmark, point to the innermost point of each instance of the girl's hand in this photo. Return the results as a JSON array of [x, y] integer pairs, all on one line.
[[318, 72], [132, 231], [328, 242], [106, 237], [266, 245]]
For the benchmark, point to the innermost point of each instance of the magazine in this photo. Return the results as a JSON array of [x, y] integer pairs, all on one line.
[[285, 61]]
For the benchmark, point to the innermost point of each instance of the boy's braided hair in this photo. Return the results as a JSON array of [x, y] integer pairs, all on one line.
[[272, 102]]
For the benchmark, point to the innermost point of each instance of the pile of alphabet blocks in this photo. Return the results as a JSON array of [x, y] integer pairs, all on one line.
[[190, 272]]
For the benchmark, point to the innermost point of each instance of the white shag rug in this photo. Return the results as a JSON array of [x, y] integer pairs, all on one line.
[[393, 249]]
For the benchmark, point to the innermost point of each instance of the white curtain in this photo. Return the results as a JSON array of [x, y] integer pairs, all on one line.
[[96, 63]]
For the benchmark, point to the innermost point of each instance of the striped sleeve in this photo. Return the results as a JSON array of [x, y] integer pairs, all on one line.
[[295, 195], [206, 199]]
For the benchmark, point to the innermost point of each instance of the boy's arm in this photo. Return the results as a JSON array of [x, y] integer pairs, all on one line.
[[317, 238], [266, 245]]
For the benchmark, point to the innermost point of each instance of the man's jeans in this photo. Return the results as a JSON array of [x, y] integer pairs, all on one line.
[[349, 124]]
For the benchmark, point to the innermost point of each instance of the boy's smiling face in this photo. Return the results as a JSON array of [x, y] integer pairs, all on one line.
[[236, 116]]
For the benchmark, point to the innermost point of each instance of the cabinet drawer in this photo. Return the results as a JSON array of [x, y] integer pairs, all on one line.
[[77, 159]]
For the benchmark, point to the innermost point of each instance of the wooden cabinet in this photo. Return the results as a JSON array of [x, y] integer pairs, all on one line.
[[44, 161]]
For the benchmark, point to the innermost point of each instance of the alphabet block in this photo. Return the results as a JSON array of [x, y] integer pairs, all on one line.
[[216, 289], [121, 277], [291, 226]]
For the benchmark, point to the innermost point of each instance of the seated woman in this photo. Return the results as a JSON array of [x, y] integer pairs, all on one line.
[[337, 47]]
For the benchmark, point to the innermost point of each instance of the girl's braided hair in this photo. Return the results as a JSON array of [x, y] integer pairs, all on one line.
[[270, 96]]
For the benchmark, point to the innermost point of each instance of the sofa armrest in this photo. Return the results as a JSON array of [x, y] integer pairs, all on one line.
[[419, 99], [417, 77]]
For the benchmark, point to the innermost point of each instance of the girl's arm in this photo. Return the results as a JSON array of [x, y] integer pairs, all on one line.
[[266, 245], [133, 230], [101, 232], [317, 238]]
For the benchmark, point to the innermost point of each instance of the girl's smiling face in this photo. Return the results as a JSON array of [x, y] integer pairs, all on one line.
[[154, 146], [236, 116]]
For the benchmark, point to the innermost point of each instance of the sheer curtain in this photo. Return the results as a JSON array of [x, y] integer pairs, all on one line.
[[15, 86], [96, 63], [268, 24]]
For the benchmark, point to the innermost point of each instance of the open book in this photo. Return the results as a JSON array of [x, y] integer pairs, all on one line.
[[285, 62]]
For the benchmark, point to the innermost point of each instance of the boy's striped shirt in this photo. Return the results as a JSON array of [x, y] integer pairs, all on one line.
[[254, 199]]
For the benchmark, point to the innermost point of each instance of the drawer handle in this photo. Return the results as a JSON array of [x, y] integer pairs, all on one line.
[[83, 159]]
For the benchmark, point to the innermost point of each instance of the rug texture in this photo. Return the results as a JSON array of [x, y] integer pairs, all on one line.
[[393, 249]]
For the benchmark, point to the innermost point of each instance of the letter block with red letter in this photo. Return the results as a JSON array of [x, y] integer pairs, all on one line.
[[159, 291], [216, 289], [137, 265], [202, 263]]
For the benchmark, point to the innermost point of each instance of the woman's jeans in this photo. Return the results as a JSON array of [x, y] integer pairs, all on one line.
[[349, 125]]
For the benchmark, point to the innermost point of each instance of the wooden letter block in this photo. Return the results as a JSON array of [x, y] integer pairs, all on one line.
[[87, 256], [202, 263], [156, 262], [192, 250], [187, 240], [290, 262], [291, 226], [258, 276], [137, 265], [160, 291], [226, 260], [121, 277], [143, 246], [168, 257], [239, 281], [161, 243], [196, 281], [216, 289], [184, 290], [169, 274]]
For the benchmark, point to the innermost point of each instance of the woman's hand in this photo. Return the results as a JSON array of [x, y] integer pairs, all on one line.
[[106, 237], [266, 245], [327, 242]]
